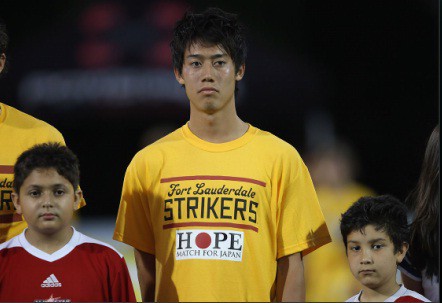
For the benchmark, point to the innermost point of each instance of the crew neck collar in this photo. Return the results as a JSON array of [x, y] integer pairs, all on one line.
[[218, 147]]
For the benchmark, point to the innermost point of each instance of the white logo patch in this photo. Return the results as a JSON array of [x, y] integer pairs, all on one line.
[[209, 244], [51, 281]]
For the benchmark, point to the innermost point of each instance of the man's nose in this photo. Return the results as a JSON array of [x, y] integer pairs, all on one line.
[[207, 75]]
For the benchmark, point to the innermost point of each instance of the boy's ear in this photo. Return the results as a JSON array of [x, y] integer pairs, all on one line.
[[16, 201], [400, 255], [178, 76], [78, 196]]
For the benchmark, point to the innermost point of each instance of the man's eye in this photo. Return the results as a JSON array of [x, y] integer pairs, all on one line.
[[377, 246], [195, 63], [220, 63]]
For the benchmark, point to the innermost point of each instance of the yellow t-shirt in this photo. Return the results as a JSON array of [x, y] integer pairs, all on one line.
[[18, 132], [218, 216]]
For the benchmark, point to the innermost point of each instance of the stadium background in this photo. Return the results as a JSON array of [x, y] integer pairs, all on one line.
[[363, 72]]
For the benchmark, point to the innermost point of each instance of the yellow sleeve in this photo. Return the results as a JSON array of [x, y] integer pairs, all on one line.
[[301, 224], [134, 225]]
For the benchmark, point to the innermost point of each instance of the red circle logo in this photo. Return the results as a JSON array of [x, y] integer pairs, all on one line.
[[203, 240]]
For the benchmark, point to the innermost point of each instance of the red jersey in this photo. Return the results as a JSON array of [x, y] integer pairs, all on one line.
[[402, 295], [85, 269]]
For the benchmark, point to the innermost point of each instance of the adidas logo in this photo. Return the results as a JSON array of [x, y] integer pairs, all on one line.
[[51, 281]]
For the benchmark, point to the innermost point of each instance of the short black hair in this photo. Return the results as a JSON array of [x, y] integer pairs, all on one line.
[[212, 27], [47, 155], [386, 213]]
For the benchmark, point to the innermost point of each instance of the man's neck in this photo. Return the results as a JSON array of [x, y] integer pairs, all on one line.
[[217, 128], [49, 243]]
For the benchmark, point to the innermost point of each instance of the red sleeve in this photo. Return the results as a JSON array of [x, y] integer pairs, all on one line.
[[122, 288]]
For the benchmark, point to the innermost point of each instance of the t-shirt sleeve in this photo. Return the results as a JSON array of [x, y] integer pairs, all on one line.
[[53, 135], [122, 287], [133, 225], [301, 224]]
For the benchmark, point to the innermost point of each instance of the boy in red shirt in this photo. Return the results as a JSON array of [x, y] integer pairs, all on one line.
[[50, 260]]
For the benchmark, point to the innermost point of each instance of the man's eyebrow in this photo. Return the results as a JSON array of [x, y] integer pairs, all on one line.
[[199, 56]]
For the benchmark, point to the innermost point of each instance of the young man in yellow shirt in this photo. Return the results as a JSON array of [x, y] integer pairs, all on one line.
[[218, 210]]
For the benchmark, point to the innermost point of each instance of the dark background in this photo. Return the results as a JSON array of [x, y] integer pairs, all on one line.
[[366, 72]]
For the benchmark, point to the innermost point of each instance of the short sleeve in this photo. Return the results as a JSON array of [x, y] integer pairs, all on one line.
[[133, 225], [301, 224]]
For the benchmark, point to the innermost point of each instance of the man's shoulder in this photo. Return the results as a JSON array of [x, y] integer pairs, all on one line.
[[275, 143], [163, 142], [25, 121]]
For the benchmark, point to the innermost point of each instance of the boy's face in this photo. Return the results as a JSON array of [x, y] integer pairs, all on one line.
[[209, 78], [47, 201], [372, 259]]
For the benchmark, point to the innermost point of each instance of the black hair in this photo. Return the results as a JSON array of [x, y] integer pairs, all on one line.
[[212, 27], [385, 213], [425, 202], [4, 41], [47, 155]]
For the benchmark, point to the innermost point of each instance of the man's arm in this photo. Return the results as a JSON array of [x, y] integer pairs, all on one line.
[[146, 274], [290, 286]]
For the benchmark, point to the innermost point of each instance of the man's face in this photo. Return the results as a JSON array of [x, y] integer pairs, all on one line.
[[47, 201], [209, 78], [372, 259]]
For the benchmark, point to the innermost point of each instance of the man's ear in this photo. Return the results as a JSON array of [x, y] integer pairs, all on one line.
[[78, 196], [178, 76], [2, 61], [400, 255], [16, 200], [240, 74]]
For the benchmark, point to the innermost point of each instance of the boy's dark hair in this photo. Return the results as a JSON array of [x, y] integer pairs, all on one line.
[[212, 27], [47, 155], [385, 213], [4, 40]]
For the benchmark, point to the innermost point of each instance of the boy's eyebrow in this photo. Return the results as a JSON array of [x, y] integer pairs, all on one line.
[[377, 240], [370, 241], [40, 186]]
